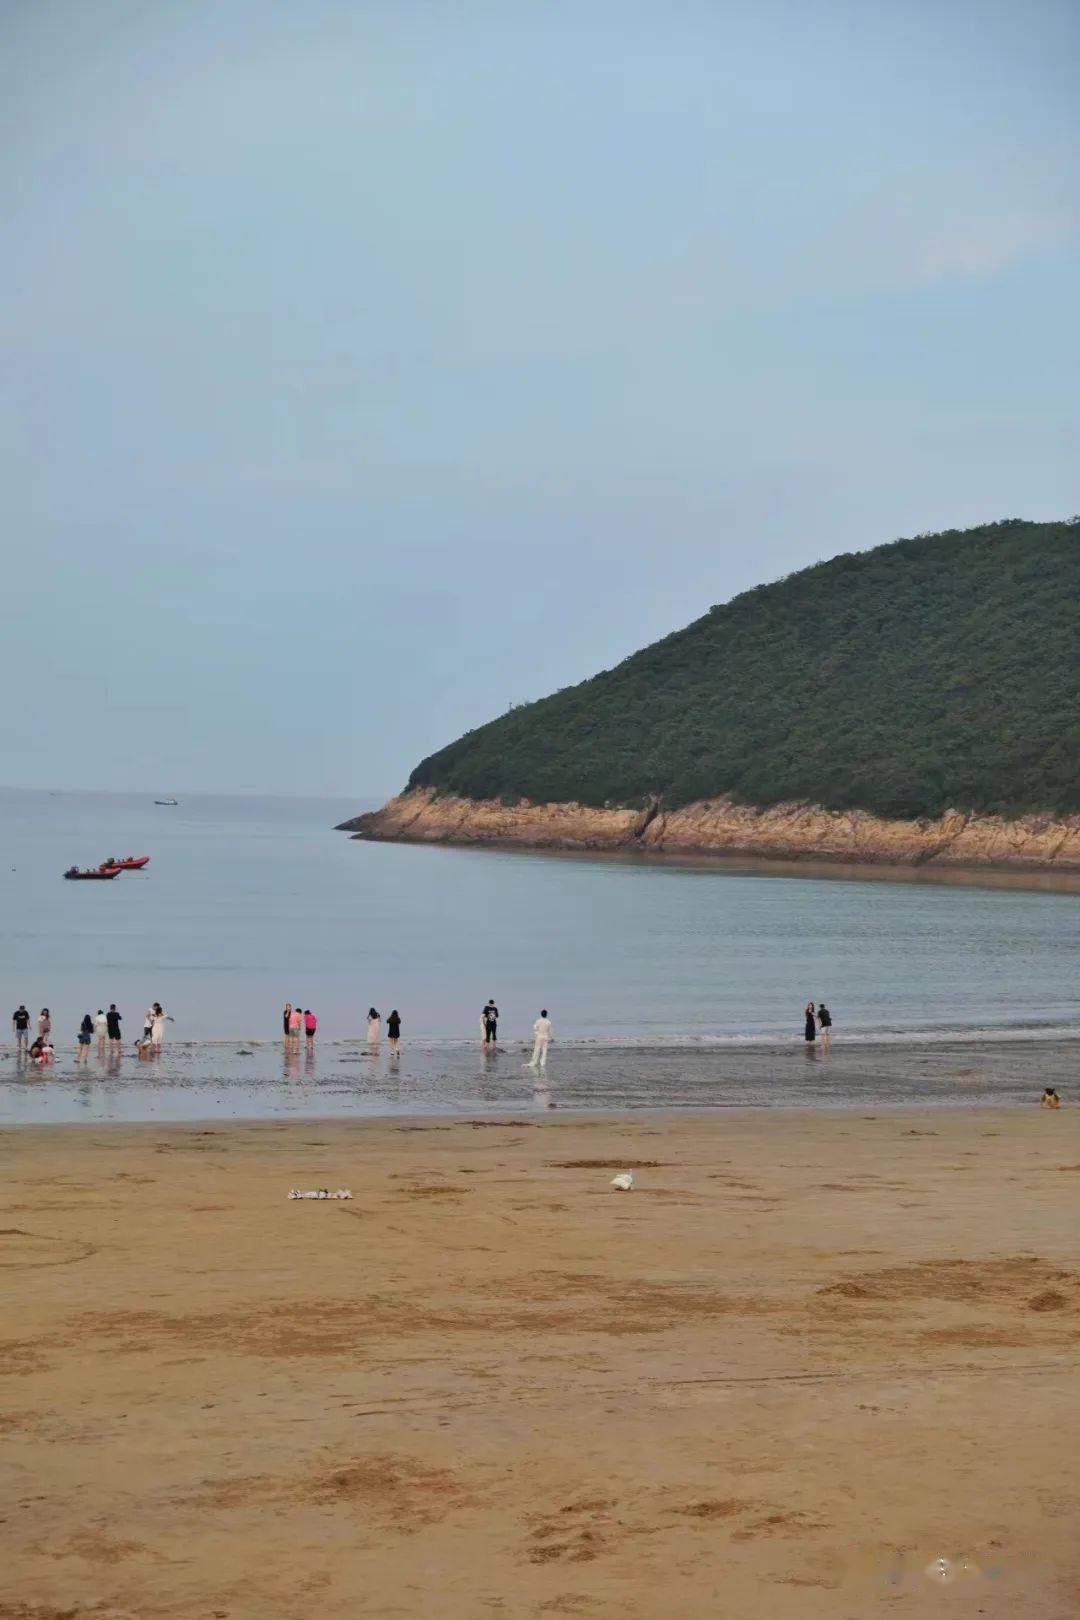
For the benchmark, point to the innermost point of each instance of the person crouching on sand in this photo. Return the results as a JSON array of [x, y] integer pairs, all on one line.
[[1049, 1099]]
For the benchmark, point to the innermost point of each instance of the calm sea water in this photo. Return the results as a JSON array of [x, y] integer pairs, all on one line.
[[250, 902]]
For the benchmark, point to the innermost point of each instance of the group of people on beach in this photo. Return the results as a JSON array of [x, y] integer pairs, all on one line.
[[296, 1021], [105, 1025]]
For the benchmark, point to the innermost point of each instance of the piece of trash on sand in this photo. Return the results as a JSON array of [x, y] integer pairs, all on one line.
[[320, 1192], [624, 1180]]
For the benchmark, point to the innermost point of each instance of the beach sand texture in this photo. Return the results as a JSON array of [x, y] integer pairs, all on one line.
[[805, 1357]]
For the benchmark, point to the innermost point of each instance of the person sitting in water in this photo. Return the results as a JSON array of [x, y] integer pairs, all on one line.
[[1050, 1099]]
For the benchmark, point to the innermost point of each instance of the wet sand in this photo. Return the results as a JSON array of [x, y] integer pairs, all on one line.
[[222, 1080], [806, 1356]]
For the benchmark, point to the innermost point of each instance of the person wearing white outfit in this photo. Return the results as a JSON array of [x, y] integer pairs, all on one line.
[[158, 1019], [541, 1041]]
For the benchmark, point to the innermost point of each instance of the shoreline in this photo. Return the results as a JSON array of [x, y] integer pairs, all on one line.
[[510, 1117], [490, 1382], [226, 1083], [1039, 851]]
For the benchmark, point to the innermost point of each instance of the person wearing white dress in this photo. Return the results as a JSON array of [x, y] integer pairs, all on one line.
[[374, 1023], [157, 1026], [541, 1041]]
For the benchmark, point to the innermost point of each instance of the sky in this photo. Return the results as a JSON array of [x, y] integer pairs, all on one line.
[[370, 367]]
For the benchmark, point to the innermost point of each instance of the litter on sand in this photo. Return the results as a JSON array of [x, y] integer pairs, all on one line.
[[320, 1192], [624, 1180]]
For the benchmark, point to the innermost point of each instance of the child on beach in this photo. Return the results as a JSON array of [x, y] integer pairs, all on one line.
[[1050, 1099]]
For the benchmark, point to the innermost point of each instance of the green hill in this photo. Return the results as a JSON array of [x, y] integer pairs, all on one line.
[[937, 672]]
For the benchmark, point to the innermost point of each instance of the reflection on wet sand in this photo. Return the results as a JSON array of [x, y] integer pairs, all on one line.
[[196, 1081]]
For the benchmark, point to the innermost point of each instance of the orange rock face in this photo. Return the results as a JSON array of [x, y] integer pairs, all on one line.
[[721, 827]]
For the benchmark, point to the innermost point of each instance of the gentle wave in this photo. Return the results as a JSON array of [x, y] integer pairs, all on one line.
[[890, 1036]]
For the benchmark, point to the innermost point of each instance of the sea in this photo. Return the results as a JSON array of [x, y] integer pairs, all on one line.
[[669, 983]]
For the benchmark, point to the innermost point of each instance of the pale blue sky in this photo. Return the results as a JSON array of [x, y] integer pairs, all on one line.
[[369, 367]]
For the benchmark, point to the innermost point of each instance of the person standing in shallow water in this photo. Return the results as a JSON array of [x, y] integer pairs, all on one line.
[[86, 1033], [296, 1018], [810, 1027], [20, 1023], [489, 1020], [112, 1025], [286, 1014], [393, 1029], [311, 1024], [374, 1023], [158, 1019], [541, 1041], [825, 1024]]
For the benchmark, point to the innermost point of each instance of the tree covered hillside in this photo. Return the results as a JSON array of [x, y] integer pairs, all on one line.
[[937, 672]]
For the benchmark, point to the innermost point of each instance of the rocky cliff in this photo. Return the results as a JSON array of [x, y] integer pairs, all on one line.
[[721, 827]]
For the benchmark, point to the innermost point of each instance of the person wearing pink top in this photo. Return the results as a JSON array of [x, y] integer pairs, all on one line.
[[296, 1019], [310, 1026]]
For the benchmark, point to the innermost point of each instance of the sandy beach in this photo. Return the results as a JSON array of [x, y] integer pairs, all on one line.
[[808, 1355]]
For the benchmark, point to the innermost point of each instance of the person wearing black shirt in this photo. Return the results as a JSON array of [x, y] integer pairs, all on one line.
[[490, 1017], [112, 1024], [393, 1029], [86, 1035], [825, 1020], [20, 1023]]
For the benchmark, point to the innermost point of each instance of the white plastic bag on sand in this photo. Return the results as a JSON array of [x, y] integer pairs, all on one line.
[[624, 1180], [320, 1192]]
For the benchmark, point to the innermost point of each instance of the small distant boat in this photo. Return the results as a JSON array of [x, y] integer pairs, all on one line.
[[102, 874], [166, 801], [130, 863]]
